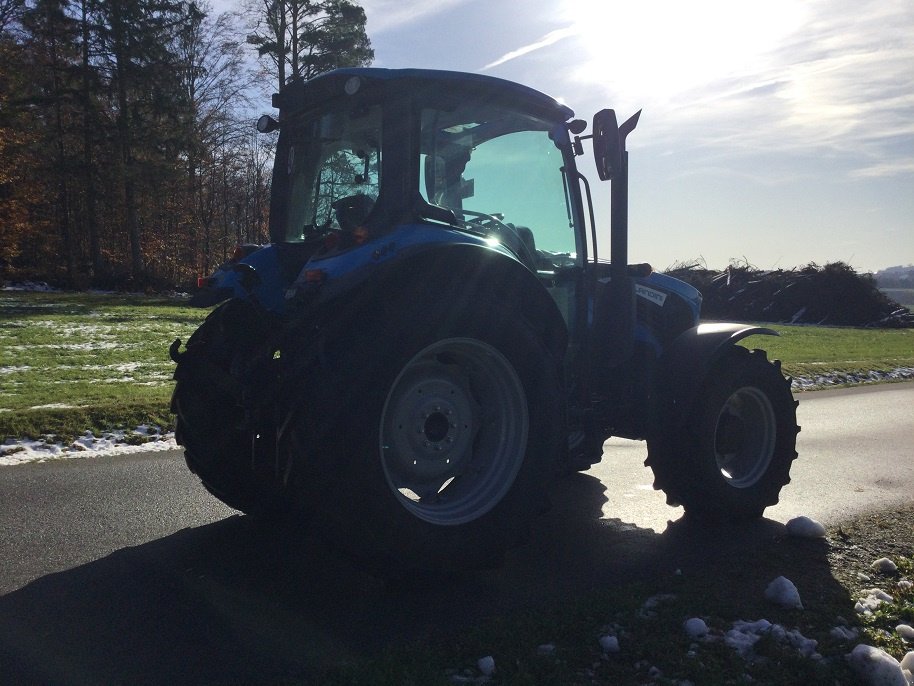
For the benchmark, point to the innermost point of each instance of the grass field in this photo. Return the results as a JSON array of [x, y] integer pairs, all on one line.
[[72, 362], [813, 350]]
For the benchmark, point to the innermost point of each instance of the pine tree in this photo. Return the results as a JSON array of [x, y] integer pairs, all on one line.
[[302, 38]]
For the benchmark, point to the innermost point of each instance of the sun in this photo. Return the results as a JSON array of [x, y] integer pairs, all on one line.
[[659, 49]]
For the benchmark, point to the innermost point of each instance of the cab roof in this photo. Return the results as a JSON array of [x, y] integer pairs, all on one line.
[[299, 95]]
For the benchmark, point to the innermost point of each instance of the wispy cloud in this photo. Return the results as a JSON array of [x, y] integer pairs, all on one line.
[[549, 39], [384, 15]]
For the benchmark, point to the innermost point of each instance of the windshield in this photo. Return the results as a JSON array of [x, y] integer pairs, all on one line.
[[334, 167], [499, 172]]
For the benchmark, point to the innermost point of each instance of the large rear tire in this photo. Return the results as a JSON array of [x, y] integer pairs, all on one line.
[[733, 455], [438, 458]]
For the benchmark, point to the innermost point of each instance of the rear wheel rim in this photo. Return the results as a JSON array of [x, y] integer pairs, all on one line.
[[745, 434], [453, 432]]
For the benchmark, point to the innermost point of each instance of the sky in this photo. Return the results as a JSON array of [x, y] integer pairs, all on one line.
[[778, 133]]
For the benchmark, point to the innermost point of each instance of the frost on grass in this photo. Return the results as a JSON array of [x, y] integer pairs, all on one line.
[[783, 593]]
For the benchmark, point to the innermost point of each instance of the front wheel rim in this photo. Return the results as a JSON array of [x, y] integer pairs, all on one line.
[[453, 432], [745, 435]]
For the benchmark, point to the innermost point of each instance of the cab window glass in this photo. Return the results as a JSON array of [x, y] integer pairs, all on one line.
[[334, 167], [499, 171]]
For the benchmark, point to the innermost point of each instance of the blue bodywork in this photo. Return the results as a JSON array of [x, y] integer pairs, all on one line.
[[338, 270]]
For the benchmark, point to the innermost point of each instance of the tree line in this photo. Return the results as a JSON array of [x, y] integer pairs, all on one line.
[[128, 154]]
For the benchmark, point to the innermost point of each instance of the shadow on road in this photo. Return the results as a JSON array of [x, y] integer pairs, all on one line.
[[226, 603]]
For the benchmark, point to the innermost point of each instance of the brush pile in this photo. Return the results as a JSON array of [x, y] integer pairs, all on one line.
[[834, 294]]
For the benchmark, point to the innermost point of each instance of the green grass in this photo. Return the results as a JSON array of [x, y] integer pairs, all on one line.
[[71, 362], [811, 350]]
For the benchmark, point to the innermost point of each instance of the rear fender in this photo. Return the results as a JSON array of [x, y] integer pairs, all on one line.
[[462, 274], [452, 276], [690, 358]]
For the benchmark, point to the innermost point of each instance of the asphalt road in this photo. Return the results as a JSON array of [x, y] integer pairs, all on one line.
[[123, 570]]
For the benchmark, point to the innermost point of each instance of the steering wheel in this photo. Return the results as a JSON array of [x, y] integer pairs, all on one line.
[[506, 234]]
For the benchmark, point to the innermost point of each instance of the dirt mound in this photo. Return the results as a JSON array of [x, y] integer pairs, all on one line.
[[834, 294]]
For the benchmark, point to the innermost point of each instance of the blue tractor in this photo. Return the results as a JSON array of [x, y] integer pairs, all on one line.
[[432, 335]]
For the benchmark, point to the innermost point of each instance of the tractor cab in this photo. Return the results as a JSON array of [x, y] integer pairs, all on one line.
[[364, 153]]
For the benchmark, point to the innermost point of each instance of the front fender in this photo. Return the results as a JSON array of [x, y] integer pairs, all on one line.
[[693, 354]]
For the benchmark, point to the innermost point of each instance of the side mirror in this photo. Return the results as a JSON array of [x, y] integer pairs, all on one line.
[[607, 149], [267, 124], [609, 142]]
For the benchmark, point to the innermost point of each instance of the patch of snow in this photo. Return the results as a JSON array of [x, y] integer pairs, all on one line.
[[486, 665], [844, 633], [905, 584], [53, 406], [876, 667], [651, 604], [884, 566], [609, 644], [907, 662], [744, 635], [872, 599], [819, 381], [33, 286], [695, 627], [14, 452], [906, 632], [782, 592], [546, 649], [804, 527]]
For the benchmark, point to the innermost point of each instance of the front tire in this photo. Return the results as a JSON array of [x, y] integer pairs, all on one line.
[[733, 454], [438, 458], [209, 417]]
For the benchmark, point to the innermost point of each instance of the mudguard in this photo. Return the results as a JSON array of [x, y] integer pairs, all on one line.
[[457, 273], [692, 354]]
